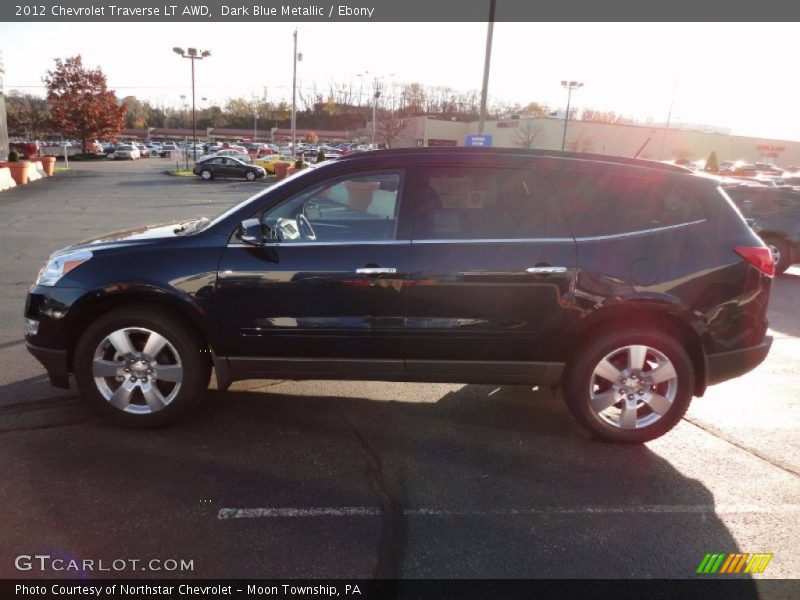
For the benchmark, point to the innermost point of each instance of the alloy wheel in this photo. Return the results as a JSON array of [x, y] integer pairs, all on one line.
[[137, 370], [633, 387]]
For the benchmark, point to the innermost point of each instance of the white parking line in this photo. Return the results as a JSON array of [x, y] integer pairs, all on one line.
[[374, 511]]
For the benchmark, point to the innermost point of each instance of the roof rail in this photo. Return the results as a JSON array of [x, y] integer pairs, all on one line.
[[623, 160]]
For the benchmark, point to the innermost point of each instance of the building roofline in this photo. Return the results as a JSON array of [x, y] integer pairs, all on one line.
[[451, 150]]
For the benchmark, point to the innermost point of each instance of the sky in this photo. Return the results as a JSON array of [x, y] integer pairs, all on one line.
[[741, 76]]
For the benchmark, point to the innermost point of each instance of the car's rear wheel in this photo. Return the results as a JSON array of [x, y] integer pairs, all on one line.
[[780, 254], [139, 367], [206, 174], [250, 176], [630, 385]]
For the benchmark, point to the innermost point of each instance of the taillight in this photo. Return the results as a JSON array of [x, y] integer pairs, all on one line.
[[759, 257]]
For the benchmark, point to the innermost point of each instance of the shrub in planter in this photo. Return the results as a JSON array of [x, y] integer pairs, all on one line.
[[320, 155], [299, 164], [13, 156]]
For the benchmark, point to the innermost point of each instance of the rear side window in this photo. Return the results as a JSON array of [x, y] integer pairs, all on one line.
[[599, 204], [461, 203]]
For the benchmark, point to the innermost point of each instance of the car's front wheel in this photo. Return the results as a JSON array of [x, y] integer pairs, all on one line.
[[250, 176], [206, 174], [140, 367], [630, 385]]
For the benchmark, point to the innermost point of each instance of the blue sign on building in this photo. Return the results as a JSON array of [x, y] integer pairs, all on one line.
[[479, 140]]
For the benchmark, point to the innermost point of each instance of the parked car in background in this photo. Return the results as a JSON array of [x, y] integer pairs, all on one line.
[[768, 168], [126, 152], [167, 149], [242, 156], [228, 167], [632, 285], [739, 170], [144, 151], [268, 163], [774, 214]]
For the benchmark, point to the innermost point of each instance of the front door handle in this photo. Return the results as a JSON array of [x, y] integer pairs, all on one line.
[[546, 270], [376, 271]]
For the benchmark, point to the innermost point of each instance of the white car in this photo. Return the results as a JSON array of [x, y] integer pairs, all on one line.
[[126, 152]]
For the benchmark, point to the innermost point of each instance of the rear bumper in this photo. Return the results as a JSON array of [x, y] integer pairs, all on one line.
[[55, 362], [727, 365]]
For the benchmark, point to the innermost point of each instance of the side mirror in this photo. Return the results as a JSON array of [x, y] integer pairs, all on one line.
[[250, 233]]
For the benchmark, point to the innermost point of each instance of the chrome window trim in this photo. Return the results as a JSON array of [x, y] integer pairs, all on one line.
[[493, 240], [271, 244], [595, 238]]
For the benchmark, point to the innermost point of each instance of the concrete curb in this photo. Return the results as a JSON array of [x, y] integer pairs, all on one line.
[[6, 181]]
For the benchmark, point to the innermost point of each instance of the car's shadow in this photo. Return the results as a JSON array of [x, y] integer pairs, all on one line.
[[783, 303], [484, 482]]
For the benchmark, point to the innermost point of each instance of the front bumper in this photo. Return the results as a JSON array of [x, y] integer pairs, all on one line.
[[727, 365], [54, 362]]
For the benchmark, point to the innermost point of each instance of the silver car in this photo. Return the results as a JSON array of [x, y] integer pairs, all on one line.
[[126, 151]]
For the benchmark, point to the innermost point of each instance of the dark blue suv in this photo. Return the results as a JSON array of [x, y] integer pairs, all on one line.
[[632, 285]]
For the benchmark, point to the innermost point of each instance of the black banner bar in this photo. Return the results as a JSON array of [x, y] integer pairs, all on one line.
[[393, 11], [739, 588]]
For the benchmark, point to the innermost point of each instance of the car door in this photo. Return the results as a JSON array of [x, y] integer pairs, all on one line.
[[491, 265], [325, 294]]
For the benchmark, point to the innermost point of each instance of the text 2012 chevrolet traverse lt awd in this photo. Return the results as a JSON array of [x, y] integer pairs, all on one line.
[[632, 285]]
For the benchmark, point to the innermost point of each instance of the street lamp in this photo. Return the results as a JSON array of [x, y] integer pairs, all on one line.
[[376, 94], [570, 85], [295, 58], [192, 54]]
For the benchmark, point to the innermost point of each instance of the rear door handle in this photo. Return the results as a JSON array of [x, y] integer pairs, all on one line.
[[376, 271], [546, 270]]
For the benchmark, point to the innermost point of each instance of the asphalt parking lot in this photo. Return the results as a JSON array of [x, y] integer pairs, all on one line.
[[351, 479]]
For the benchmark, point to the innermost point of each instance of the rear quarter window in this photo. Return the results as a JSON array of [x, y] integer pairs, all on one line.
[[599, 204]]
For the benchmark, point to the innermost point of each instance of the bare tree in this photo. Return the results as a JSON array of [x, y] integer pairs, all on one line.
[[581, 142], [526, 135], [389, 128]]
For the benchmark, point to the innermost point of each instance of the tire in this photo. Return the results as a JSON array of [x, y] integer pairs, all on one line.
[[250, 176], [648, 408], [781, 253], [206, 175], [133, 399]]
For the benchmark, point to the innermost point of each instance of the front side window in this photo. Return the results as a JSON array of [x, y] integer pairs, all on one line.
[[600, 204], [460, 203], [357, 208]]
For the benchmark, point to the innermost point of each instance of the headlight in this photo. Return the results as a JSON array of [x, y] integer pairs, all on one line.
[[60, 265]]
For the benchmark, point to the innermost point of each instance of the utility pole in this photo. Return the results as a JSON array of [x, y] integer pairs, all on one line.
[[486, 62], [296, 57]]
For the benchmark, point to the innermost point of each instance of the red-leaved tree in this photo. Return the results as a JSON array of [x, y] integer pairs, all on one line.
[[81, 106]]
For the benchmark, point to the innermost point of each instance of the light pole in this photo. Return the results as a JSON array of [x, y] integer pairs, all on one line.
[[192, 54], [295, 58], [486, 62], [375, 96], [570, 85]]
